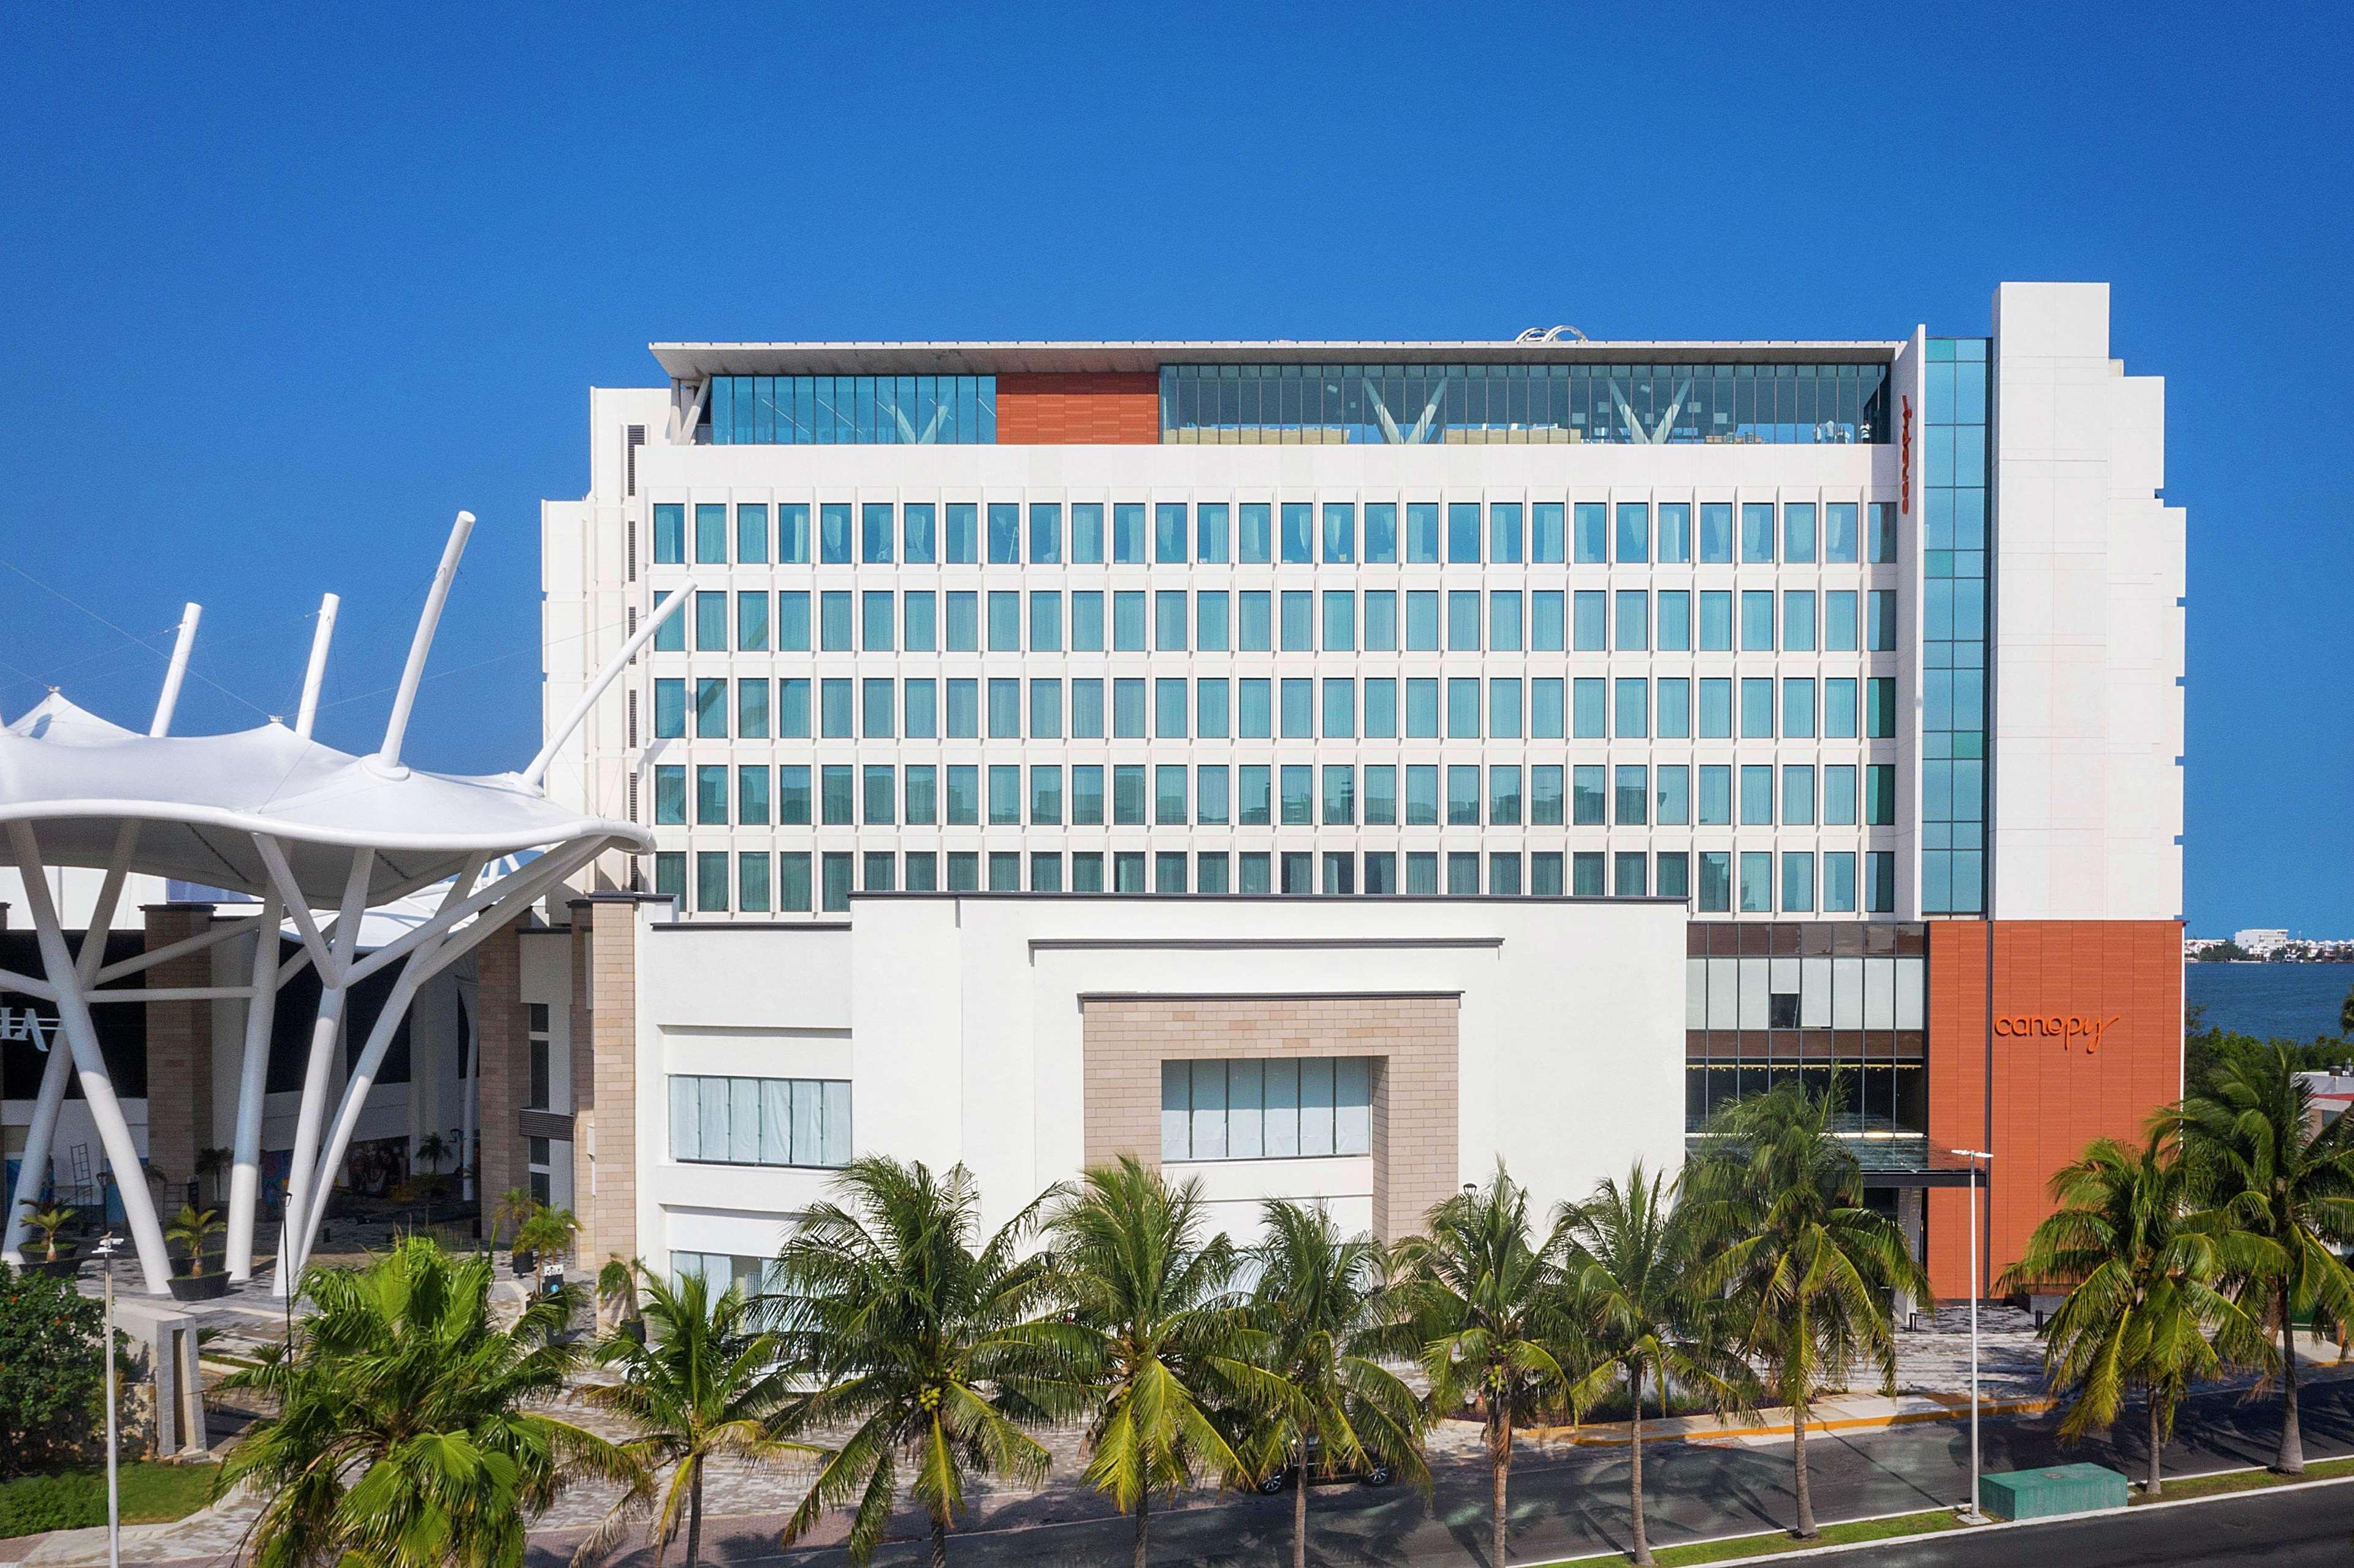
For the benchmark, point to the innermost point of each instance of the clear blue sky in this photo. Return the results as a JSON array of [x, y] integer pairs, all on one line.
[[283, 290]]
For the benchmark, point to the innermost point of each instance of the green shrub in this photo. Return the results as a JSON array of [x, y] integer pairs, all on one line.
[[35, 1503], [52, 1392]]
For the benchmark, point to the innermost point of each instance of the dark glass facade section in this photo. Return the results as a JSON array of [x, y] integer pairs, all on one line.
[[1837, 1008], [1411, 404], [851, 410]]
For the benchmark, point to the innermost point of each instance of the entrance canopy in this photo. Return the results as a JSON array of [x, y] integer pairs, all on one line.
[[318, 836], [200, 800]]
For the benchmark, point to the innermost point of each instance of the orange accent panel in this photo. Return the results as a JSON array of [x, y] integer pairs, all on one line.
[[1106, 408], [2053, 1092]]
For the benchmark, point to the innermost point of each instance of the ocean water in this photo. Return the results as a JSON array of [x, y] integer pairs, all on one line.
[[2283, 1001]]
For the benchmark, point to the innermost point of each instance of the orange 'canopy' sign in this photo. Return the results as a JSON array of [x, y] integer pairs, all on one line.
[[2062, 1027]]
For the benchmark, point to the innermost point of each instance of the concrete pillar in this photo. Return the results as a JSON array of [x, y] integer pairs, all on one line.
[[605, 1077], [502, 1043], [179, 1054]]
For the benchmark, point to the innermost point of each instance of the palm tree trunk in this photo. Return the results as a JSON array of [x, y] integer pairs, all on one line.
[[939, 1543], [2157, 1472], [695, 1519], [1143, 1506], [1299, 1512], [1499, 1460], [1634, 1471], [1806, 1530], [2291, 1460]]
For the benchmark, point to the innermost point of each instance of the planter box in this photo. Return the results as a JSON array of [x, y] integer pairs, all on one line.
[[68, 1266], [209, 1287], [2061, 1488]]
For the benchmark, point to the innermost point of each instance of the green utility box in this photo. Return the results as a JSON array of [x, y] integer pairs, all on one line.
[[2063, 1489]]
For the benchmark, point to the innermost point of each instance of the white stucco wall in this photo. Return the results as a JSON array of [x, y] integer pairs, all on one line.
[[962, 1036], [2088, 628]]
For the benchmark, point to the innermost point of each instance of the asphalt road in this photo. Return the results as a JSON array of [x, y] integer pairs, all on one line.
[[2292, 1529], [1577, 1504]]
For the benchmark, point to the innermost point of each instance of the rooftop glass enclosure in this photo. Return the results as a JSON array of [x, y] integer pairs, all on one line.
[[852, 411], [1419, 403]]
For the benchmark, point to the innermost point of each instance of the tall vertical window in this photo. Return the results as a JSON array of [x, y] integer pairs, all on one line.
[[1954, 545]]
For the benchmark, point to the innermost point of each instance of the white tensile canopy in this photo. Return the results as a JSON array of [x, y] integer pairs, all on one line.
[[320, 836]]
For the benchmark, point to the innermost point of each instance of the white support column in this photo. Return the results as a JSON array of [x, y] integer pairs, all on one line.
[[515, 892], [32, 1174], [89, 1062], [387, 758], [252, 1092], [325, 1031], [315, 674]]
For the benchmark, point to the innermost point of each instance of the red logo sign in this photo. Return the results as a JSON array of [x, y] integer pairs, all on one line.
[[1905, 502], [2062, 1027]]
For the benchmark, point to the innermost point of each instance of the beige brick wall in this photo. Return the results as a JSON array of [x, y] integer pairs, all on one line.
[[503, 1042], [179, 1054], [1412, 1039], [605, 1079]]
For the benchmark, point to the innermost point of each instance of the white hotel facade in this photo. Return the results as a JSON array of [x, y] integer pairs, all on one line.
[[1655, 712]]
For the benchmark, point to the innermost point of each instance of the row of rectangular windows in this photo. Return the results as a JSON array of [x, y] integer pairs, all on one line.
[[1246, 1108], [759, 1121], [1251, 532], [1749, 877], [1260, 708], [1213, 620], [1268, 795]]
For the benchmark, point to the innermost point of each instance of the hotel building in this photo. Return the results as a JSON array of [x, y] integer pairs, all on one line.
[[1332, 768]]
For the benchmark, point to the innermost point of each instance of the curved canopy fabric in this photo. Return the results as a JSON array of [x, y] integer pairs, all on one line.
[[200, 799]]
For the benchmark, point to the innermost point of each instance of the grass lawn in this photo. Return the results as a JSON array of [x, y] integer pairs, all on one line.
[[2245, 1481], [1774, 1542], [152, 1494]]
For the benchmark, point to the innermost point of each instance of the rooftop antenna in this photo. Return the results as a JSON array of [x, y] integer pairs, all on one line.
[[387, 758]]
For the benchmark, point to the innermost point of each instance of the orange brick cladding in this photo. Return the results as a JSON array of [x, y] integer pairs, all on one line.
[[2051, 1098], [1411, 1038], [1108, 409]]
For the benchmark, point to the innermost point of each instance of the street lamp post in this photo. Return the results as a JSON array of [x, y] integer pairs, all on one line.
[[107, 1246], [1974, 1155]]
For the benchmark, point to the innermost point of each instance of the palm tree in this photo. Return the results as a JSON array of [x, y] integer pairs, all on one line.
[[1487, 1308], [1781, 1214], [408, 1432], [1163, 1351], [1632, 1269], [1320, 1304], [2261, 1161], [702, 1385], [192, 1228], [48, 1222], [617, 1292], [210, 1164], [2148, 1288], [920, 1334], [546, 1234], [515, 1206], [432, 1148]]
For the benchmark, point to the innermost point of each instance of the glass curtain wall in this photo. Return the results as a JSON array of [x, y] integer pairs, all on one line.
[[1955, 533], [1411, 404], [851, 410]]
